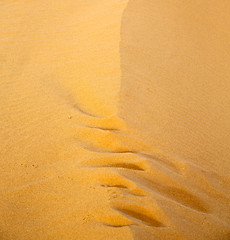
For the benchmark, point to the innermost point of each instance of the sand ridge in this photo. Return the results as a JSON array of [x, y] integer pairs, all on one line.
[[111, 125]]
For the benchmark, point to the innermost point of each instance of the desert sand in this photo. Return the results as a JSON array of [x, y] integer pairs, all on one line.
[[114, 120]]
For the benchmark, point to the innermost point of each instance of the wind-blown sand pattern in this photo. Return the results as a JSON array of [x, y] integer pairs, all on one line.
[[114, 120]]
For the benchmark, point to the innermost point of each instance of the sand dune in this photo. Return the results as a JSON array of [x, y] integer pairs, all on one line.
[[114, 120]]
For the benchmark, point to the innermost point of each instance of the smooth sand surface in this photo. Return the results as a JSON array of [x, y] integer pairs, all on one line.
[[114, 120]]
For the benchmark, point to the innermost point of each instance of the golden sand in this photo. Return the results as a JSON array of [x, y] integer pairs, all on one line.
[[114, 120]]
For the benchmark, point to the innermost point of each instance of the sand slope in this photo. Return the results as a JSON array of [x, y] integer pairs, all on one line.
[[60, 66], [175, 65], [114, 120]]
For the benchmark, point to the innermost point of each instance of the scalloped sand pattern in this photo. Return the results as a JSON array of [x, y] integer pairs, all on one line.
[[114, 120]]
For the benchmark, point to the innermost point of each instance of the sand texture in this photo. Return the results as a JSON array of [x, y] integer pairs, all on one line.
[[114, 120]]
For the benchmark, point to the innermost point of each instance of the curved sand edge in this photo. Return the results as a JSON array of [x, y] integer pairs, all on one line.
[[71, 168]]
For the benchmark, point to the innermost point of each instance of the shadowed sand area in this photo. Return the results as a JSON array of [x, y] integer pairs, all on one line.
[[114, 120]]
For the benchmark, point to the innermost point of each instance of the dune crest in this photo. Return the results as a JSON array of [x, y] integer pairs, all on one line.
[[114, 120]]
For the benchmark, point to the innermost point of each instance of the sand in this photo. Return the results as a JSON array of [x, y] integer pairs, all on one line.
[[114, 120]]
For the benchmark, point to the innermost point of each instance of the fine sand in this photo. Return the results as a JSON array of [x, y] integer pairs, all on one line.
[[114, 120]]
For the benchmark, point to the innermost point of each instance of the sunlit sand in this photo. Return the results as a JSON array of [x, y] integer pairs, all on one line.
[[114, 120]]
